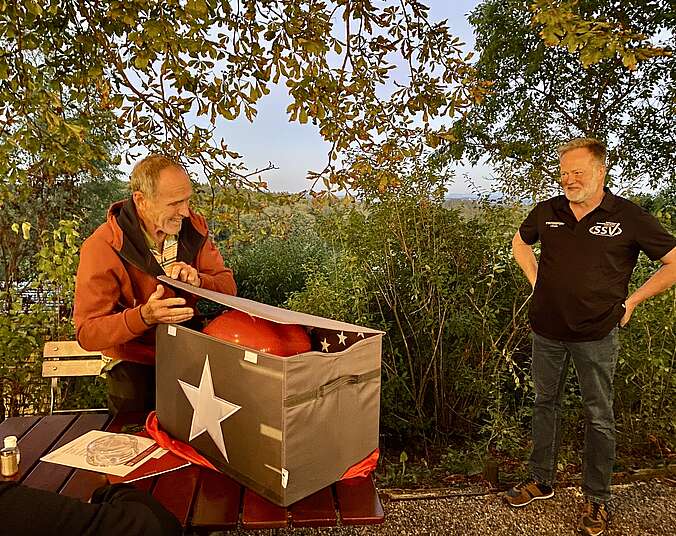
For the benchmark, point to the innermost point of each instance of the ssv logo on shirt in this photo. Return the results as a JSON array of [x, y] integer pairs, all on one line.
[[606, 228]]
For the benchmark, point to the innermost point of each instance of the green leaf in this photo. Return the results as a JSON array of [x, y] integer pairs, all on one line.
[[26, 230], [141, 62]]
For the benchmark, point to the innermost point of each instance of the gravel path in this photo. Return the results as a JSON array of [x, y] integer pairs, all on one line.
[[641, 508]]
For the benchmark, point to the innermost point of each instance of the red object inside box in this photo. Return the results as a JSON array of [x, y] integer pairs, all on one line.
[[259, 334]]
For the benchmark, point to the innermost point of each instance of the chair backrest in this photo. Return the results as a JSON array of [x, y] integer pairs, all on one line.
[[64, 359], [68, 358]]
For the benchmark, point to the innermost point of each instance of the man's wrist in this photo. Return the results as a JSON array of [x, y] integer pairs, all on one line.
[[143, 316]]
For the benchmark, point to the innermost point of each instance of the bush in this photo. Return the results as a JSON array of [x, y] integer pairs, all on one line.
[[272, 268], [25, 327], [22, 389], [442, 288], [645, 384]]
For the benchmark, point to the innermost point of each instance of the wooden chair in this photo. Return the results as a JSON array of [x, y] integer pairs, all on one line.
[[65, 359]]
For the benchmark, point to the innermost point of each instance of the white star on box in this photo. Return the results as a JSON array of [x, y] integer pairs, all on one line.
[[209, 411], [325, 345], [341, 338]]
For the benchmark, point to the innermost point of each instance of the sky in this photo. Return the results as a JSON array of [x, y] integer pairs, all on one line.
[[294, 148]]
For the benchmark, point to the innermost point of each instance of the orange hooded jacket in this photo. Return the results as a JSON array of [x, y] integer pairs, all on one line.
[[117, 274]]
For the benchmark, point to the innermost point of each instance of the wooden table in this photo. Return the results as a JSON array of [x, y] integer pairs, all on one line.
[[201, 499]]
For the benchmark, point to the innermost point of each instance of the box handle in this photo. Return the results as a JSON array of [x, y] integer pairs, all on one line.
[[329, 387]]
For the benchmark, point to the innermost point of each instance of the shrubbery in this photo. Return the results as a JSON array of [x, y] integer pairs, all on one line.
[[444, 288], [456, 356], [271, 268]]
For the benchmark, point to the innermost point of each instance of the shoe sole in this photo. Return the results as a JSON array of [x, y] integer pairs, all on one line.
[[538, 498], [582, 531]]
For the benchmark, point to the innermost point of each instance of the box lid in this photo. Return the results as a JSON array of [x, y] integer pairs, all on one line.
[[268, 312]]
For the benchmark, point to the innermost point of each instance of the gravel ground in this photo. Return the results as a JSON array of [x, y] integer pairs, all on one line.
[[641, 508]]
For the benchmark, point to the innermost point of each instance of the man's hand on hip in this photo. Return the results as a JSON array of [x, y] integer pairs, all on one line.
[[628, 310], [185, 273], [167, 311]]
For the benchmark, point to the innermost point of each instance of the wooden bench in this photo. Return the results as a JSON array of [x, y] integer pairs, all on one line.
[[202, 500], [65, 359]]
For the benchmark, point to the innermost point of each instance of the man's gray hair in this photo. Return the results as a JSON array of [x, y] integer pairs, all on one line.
[[146, 173], [594, 146]]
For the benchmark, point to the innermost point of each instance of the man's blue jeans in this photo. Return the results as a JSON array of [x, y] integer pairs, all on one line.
[[594, 363]]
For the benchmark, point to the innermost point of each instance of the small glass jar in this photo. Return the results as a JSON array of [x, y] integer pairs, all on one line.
[[9, 464], [11, 442]]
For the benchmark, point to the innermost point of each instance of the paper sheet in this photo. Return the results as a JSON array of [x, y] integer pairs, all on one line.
[[74, 454]]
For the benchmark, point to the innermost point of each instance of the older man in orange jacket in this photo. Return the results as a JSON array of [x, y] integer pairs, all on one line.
[[118, 300]]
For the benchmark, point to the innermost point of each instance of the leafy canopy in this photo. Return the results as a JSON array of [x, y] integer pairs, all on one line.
[[562, 25], [168, 72], [598, 72]]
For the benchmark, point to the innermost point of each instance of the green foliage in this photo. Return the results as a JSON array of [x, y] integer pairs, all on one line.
[[542, 96], [646, 385], [596, 39], [441, 287], [162, 75], [403, 472], [34, 313], [464, 461], [270, 269], [22, 332]]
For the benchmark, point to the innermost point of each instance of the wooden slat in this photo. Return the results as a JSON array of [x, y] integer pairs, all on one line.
[[317, 510], [358, 502], [175, 491], [51, 476], [259, 513], [145, 484], [52, 368], [217, 502], [17, 426], [82, 484], [38, 440], [55, 349]]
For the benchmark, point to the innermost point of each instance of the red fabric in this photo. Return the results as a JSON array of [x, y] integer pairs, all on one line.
[[179, 448], [364, 467]]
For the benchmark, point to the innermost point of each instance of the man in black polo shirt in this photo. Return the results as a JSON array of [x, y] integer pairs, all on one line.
[[590, 240]]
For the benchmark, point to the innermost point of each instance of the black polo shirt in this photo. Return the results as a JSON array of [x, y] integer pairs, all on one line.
[[585, 267]]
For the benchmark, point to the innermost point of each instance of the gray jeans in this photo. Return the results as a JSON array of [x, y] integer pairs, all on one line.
[[594, 363]]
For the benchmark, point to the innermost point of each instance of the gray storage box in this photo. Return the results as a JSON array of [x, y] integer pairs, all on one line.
[[290, 425]]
